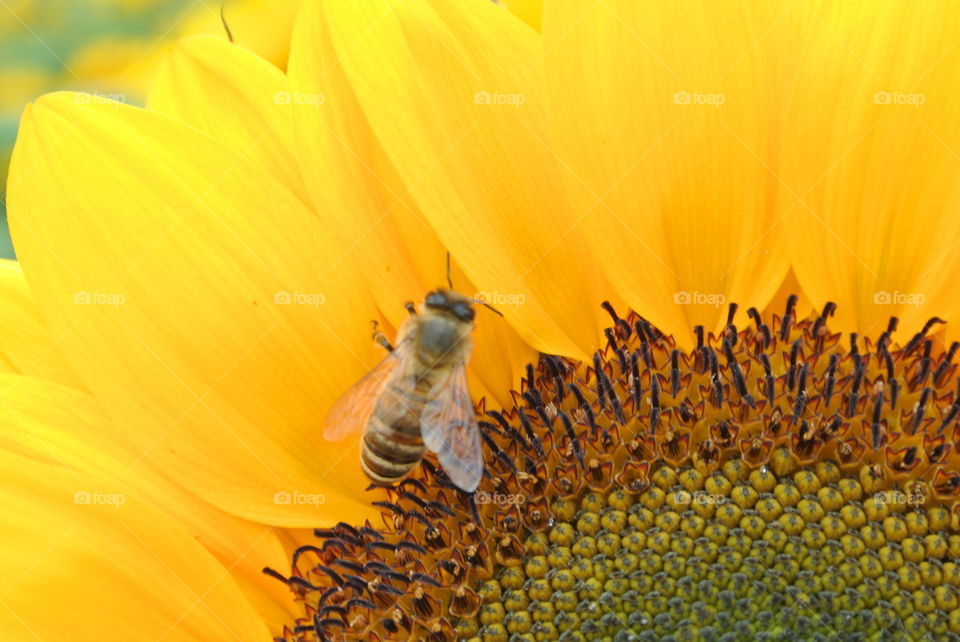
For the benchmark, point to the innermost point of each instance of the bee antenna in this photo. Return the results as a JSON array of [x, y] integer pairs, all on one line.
[[483, 303], [488, 306], [226, 27]]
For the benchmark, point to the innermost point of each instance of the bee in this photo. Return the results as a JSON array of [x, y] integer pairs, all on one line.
[[416, 399]]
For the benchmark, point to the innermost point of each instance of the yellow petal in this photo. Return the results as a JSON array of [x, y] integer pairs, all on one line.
[[499, 356], [27, 345], [790, 288], [529, 10], [88, 561], [61, 427], [482, 174], [871, 166], [234, 96], [392, 245], [217, 329], [665, 118], [387, 240], [244, 103], [263, 26]]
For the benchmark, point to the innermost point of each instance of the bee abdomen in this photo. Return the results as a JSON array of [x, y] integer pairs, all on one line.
[[390, 451]]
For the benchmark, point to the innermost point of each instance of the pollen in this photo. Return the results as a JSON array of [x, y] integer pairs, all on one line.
[[777, 482]]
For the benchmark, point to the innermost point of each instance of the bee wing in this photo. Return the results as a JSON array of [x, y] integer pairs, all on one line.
[[449, 428], [351, 412]]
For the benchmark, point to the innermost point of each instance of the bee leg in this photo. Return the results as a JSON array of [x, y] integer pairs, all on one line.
[[410, 308], [380, 337]]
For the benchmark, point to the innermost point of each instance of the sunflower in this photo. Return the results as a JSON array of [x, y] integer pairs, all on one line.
[[203, 272], [111, 48]]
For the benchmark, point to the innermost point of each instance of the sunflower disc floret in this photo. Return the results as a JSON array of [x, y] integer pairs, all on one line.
[[778, 482]]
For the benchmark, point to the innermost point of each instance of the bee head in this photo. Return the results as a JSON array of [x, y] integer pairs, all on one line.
[[452, 303]]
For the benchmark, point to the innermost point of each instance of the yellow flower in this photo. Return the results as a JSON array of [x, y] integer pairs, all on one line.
[[64, 461], [111, 48], [209, 267], [661, 495], [105, 562], [114, 45]]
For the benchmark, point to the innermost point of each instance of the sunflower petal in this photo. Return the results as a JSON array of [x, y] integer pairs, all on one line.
[[662, 118], [871, 179], [499, 356], [92, 562], [482, 174], [217, 329], [529, 10], [262, 26], [393, 245], [61, 427], [244, 103], [234, 96], [27, 346], [346, 170]]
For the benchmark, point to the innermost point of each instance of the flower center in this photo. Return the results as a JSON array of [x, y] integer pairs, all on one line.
[[776, 483]]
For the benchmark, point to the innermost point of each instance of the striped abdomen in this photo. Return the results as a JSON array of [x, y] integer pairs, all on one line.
[[392, 445]]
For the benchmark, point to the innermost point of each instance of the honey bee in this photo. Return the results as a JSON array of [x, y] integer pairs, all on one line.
[[417, 399]]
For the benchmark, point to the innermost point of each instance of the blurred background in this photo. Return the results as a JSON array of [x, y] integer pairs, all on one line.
[[110, 48]]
